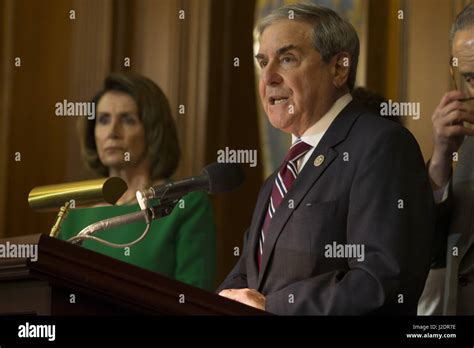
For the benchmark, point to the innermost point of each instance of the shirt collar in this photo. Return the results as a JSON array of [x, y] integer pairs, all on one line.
[[313, 134]]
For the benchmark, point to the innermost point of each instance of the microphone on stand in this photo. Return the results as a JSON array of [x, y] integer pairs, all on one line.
[[215, 178]]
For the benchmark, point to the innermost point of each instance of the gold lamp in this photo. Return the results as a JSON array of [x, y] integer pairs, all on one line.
[[68, 195]]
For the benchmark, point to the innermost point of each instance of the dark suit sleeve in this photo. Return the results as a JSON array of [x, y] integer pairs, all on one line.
[[237, 278], [443, 213], [391, 213]]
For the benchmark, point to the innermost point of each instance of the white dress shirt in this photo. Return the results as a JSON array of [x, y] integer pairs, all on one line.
[[314, 134]]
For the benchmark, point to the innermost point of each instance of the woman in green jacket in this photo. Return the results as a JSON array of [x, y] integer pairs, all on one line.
[[133, 136]]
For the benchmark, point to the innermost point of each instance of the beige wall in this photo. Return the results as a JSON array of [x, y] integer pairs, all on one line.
[[174, 53], [427, 70]]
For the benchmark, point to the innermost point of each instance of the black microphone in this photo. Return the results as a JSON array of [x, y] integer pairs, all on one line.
[[215, 178]]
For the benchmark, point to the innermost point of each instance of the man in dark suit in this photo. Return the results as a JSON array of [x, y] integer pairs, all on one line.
[[342, 226], [450, 285]]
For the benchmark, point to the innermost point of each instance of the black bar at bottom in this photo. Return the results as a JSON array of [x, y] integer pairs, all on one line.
[[291, 330]]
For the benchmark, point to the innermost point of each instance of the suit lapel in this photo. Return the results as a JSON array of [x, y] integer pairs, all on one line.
[[309, 175], [257, 221]]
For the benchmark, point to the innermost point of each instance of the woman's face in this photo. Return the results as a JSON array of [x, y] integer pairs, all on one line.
[[119, 133]]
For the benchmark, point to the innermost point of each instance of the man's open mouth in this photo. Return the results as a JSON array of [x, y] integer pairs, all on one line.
[[277, 100]]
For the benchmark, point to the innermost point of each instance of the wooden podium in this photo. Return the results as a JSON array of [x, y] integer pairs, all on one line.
[[69, 280]]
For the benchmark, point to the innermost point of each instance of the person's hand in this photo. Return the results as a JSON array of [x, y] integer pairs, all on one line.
[[448, 134], [250, 297]]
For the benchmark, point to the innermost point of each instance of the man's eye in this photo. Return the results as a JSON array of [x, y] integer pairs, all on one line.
[[287, 59], [468, 78], [263, 63]]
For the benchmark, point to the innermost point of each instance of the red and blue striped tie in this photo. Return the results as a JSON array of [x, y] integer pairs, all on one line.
[[283, 182]]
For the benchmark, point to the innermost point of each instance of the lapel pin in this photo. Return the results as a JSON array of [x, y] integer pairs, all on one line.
[[319, 160]]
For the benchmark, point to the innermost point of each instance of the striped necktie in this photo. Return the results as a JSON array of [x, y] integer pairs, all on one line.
[[283, 182]]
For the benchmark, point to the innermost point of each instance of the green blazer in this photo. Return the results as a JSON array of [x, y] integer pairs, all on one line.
[[181, 245]]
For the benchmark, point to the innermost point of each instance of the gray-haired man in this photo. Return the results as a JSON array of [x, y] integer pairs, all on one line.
[[450, 285], [340, 227]]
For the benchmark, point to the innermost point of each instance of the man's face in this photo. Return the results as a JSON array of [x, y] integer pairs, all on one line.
[[463, 53], [296, 86], [119, 133]]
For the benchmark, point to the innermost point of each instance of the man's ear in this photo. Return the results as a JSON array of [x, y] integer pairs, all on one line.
[[341, 66]]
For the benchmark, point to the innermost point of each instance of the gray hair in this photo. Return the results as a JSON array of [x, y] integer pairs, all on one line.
[[331, 33], [464, 20]]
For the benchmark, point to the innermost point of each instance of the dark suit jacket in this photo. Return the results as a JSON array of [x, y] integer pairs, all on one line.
[[455, 232], [372, 189]]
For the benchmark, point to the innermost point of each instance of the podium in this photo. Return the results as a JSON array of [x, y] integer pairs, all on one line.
[[67, 279]]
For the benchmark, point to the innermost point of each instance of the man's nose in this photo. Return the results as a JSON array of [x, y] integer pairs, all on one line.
[[271, 76]]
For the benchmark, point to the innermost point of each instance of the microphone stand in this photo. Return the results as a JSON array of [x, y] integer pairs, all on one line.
[[162, 209]]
